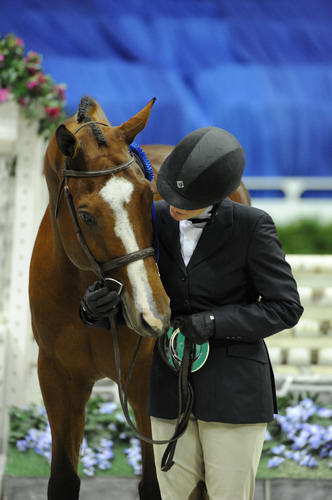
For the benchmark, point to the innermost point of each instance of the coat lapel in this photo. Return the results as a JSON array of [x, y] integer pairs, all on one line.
[[213, 235], [170, 238]]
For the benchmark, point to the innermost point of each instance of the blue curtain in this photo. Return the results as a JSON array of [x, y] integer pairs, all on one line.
[[262, 70]]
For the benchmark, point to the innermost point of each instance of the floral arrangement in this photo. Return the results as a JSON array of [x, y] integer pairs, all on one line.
[[301, 433], [105, 427], [23, 80]]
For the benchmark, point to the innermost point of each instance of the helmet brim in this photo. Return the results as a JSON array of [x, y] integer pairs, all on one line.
[[173, 198]]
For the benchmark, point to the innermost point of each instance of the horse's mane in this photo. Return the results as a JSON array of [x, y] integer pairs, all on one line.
[[83, 117]]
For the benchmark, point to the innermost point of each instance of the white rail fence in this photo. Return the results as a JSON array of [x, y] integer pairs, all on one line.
[[302, 357], [292, 206]]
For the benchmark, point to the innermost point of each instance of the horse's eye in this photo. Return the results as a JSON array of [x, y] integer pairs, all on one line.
[[87, 218]]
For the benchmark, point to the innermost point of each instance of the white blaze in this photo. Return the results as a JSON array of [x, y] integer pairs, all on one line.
[[116, 192]]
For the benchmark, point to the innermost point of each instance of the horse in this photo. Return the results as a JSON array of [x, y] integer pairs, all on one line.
[[113, 213], [97, 190]]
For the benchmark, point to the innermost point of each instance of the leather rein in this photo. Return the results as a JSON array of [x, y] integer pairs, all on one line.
[[185, 392]]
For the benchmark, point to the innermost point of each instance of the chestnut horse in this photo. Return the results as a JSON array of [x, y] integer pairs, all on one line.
[[112, 211], [114, 214]]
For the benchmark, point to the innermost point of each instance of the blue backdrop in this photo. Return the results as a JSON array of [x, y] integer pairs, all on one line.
[[260, 69]]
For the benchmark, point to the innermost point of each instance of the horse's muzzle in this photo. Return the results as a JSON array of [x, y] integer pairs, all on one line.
[[154, 327]]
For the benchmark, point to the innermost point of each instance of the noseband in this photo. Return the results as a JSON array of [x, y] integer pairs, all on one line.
[[100, 268]]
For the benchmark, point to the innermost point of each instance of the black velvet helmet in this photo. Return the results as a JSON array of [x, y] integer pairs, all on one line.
[[202, 170]]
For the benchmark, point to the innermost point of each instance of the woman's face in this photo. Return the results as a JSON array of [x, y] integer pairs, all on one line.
[[180, 214]]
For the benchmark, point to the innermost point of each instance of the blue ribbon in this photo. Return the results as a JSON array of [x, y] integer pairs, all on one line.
[[137, 150], [148, 172]]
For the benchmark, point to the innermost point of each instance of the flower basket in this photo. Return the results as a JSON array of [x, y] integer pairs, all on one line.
[[22, 81]]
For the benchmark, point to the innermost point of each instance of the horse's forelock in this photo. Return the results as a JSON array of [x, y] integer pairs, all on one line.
[[82, 113], [83, 117]]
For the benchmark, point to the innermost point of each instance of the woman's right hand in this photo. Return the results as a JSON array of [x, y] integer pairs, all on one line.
[[99, 301]]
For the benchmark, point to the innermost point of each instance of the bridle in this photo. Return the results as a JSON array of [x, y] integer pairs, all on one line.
[[185, 392], [99, 268]]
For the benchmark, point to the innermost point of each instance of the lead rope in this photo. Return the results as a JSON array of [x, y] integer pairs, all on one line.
[[185, 395]]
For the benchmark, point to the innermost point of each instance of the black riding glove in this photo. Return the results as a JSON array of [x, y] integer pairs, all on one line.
[[98, 304], [198, 328]]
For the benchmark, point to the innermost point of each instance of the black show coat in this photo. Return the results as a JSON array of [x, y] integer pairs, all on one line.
[[239, 273]]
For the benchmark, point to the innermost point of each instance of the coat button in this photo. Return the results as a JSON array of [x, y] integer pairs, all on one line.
[[183, 278]]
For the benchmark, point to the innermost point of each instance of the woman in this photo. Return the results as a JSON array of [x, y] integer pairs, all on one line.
[[223, 268]]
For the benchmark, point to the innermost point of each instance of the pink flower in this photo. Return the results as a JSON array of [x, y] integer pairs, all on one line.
[[32, 84], [23, 101], [4, 95], [60, 90], [41, 78], [32, 56], [53, 111], [19, 42], [33, 68], [2, 57]]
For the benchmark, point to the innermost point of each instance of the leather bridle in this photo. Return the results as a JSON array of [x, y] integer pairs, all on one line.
[[99, 268]]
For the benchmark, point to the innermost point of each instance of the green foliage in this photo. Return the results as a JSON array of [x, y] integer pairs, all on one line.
[[111, 425], [22, 78], [23, 419], [306, 236], [100, 421]]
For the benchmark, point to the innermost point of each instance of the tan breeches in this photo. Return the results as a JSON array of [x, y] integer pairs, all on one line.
[[225, 456]]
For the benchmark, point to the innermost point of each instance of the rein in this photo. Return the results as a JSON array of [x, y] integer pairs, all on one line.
[[185, 391], [185, 397]]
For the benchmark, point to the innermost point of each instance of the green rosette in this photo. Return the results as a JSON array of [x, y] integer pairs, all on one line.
[[175, 341]]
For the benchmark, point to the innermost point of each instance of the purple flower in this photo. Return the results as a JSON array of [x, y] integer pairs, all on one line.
[[268, 436], [308, 461], [297, 456], [324, 412], [275, 461], [278, 450], [134, 456], [2, 57], [324, 453], [21, 445], [108, 408]]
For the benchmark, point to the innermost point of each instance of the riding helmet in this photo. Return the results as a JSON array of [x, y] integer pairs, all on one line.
[[203, 169]]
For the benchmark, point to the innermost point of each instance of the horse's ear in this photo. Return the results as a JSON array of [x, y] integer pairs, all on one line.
[[67, 142], [135, 124]]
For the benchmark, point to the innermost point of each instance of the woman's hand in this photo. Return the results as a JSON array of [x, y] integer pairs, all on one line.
[[99, 301], [198, 328]]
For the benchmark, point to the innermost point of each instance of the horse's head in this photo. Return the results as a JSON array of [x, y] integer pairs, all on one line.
[[112, 210]]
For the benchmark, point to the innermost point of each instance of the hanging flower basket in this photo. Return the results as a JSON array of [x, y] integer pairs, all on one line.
[[23, 81]]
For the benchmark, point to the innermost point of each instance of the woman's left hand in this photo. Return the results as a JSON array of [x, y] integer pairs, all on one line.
[[198, 328]]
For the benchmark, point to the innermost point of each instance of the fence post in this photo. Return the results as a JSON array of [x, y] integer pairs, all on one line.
[[23, 198]]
